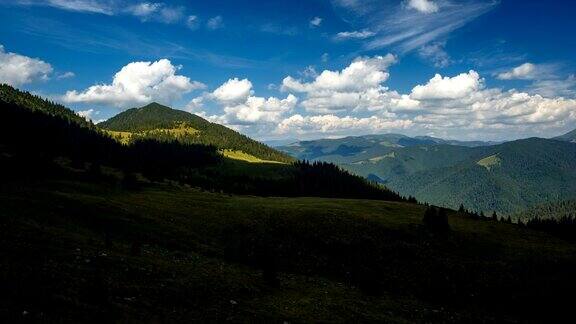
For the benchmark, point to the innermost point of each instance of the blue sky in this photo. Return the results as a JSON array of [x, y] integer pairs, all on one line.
[[462, 69]]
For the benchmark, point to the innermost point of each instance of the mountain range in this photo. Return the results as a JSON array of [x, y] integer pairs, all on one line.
[[484, 176]]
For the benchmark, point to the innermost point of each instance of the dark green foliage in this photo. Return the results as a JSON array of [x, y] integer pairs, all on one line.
[[436, 219], [155, 116], [16, 97], [569, 137], [564, 227], [526, 172], [552, 210], [49, 137]]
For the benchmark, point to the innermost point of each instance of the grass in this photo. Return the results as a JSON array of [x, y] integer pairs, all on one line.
[[66, 256], [181, 131], [490, 162], [241, 156]]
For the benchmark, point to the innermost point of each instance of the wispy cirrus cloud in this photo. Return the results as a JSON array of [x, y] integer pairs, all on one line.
[[144, 10], [405, 26], [91, 6]]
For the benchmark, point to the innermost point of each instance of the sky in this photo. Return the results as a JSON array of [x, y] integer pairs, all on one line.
[[306, 69]]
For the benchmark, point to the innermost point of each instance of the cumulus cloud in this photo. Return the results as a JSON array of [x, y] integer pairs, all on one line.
[[555, 88], [138, 83], [66, 75], [316, 22], [459, 106], [334, 125], [239, 106], [16, 69], [233, 91], [424, 6], [354, 35], [449, 88], [358, 86], [525, 71]]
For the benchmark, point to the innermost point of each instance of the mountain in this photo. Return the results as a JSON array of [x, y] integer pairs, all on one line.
[[568, 137], [505, 178], [484, 177], [95, 230], [358, 148], [161, 122], [42, 139]]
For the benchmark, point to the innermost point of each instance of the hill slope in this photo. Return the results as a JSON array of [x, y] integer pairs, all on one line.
[[569, 137], [506, 177], [153, 120], [361, 148], [75, 251], [53, 140]]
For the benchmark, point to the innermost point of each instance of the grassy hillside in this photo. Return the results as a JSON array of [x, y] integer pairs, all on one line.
[[159, 122], [76, 251], [52, 138]]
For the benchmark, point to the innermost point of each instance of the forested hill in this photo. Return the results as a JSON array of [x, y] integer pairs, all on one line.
[[31, 102], [152, 120], [569, 137], [43, 140]]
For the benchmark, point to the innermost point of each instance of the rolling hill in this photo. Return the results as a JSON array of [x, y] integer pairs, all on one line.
[[55, 137], [569, 137], [359, 148], [93, 230], [486, 177], [156, 121]]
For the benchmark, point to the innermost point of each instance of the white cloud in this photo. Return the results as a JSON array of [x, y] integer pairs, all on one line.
[[363, 73], [325, 57], [66, 75], [358, 86], [153, 11], [215, 23], [144, 10], [316, 22], [436, 54], [424, 6], [354, 35], [555, 88], [239, 106], [16, 69], [525, 71], [322, 125], [138, 83], [233, 91], [449, 88], [89, 6], [459, 106], [407, 30], [93, 6]]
